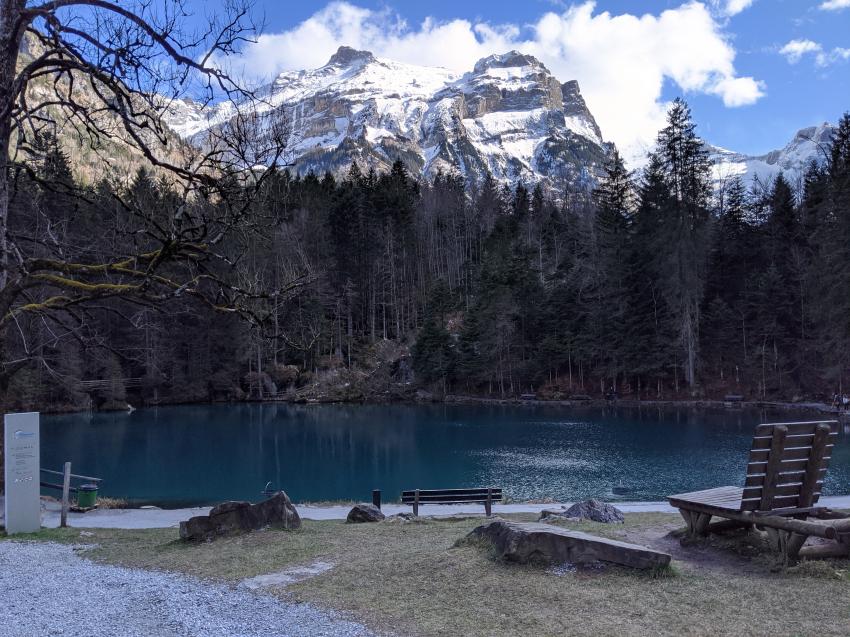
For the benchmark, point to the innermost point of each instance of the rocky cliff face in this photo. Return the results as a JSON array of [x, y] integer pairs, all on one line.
[[508, 116]]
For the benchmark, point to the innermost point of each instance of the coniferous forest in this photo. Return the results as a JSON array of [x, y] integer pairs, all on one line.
[[658, 284]]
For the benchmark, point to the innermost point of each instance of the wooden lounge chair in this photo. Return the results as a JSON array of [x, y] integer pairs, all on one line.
[[787, 466]]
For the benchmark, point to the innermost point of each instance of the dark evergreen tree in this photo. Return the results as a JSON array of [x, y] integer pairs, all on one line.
[[683, 231]]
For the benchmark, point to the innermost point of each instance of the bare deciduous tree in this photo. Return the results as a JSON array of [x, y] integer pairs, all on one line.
[[111, 70]]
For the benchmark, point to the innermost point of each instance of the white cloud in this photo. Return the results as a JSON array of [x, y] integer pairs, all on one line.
[[838, 54], [795, 50], [621, 61], [835, 5]]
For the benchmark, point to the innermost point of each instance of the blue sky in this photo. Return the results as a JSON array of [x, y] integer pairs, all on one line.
[[754, 71]]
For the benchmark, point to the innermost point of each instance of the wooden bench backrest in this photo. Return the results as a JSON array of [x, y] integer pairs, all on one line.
[[451, 496], [788, 463]]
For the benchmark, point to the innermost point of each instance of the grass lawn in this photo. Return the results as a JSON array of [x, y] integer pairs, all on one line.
[[411, 579]]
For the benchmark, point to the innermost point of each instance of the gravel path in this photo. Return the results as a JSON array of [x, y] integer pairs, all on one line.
[[47, 589]]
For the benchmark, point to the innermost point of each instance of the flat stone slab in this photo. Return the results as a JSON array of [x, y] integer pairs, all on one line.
[[286, 577], [534, 542]]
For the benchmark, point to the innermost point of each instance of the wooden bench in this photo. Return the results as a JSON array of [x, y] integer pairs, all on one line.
[[486, 496], [785, 473]]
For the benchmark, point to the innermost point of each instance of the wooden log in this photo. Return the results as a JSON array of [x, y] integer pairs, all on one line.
[[728, 525], [531, 542], [793, 543], [825, 550], [803, 527], [841, 526], [66, 487], [764, 520], [787, 543]]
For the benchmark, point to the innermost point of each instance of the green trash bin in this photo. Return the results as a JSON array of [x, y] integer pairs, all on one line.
[[87, 496]]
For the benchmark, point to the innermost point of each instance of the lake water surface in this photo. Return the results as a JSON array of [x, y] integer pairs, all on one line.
[[208, 453]]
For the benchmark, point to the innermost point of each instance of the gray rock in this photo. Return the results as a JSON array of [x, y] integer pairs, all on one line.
[[231, 518], [596, 511], [364, 513]]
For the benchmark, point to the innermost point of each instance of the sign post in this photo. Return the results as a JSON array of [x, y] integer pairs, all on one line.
[[22, 473]]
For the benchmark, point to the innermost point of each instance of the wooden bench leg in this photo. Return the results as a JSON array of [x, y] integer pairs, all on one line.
[[787, 543], [697, 522]]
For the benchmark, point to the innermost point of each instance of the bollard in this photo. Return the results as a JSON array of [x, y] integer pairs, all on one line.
[[376, 497], [66, 487]]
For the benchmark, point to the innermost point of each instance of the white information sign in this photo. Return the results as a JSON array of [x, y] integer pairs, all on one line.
[[22, 467]]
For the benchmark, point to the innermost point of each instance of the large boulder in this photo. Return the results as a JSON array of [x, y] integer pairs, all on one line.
[[593, 510], [232, 518], [364, 513], [529, 542]]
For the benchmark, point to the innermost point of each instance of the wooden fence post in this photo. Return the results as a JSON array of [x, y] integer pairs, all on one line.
[[66, 487], [416, 503], [488, 504], [376, 498]]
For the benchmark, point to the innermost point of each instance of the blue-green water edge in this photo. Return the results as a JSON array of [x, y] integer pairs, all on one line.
[[202, 454]]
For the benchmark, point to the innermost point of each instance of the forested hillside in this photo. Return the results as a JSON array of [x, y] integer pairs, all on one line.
[[654, 285]]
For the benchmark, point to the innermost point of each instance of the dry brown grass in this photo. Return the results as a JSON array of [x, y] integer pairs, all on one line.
[[412, 579], [104, 502]]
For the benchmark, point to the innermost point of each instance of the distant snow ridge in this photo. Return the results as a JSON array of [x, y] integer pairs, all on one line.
[[508, 116], [809, 144]]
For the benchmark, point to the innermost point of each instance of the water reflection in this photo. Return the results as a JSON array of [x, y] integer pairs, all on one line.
[[201, 454]]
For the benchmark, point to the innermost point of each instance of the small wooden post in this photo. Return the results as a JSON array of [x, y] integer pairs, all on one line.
[[376, 497], [416, 503], [66, 488], [488, 503]]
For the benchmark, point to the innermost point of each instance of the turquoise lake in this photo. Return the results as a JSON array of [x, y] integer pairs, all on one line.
[[200, 454]]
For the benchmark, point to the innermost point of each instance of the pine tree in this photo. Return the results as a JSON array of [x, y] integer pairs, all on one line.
[[433, 354], [832, 271], [687, 176]]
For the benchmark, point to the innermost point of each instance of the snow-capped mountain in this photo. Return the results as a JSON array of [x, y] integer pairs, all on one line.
[[508, 116], [808, 144]]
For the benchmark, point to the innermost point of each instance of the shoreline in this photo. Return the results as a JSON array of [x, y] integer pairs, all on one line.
[[459, 399], [170, 518], [631, 402]]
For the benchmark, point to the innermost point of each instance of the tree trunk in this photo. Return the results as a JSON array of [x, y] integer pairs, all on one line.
[[10, 41]]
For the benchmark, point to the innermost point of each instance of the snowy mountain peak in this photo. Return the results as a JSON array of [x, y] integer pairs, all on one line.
[[808, 144], [508, 116], [511, 59], [346, 56]]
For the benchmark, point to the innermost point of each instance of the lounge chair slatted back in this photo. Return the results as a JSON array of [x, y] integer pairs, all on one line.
[[785, 475], [787, 466]]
